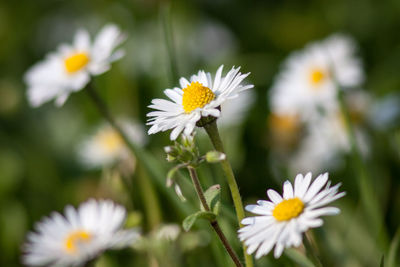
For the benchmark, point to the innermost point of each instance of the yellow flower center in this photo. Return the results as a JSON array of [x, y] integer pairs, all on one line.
[[196, 96], [317, 76], [110, 140], [288, 209], [76, 62], [284, 123], [74, 239]]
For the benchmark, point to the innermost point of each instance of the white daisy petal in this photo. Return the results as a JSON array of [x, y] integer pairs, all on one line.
[[267, 204], [298, 181], [315, 187], [218, 78], [175, 132], [177, 98], [287, 190], [82, 40], [304, 185], [256, 219], [274, 196], [183, 82], [258, 210]]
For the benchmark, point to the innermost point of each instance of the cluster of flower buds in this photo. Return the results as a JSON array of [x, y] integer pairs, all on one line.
[[183, 151], [186, 152]]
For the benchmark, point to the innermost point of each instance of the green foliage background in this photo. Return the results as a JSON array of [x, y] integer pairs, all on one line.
[[39, 171]]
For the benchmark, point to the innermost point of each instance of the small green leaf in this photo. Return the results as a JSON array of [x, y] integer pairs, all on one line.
[[215, 156], [170, 176], [394, 247], [172, 172], [191, 219], [213, 198]]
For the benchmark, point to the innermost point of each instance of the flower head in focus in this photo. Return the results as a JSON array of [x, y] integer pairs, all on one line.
[[201, 96], [309, 79], [69, 68], [80, 236], [282, 220], [106, 146]]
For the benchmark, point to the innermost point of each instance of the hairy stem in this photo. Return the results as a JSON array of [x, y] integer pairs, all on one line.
[[212, 131], [169, 40], [214, 223], [311, 251]]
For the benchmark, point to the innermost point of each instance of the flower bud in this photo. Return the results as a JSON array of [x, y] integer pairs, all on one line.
[[215, 156]]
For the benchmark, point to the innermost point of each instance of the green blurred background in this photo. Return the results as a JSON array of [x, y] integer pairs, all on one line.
[[39, 171]]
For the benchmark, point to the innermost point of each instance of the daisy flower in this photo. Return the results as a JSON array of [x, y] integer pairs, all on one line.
[[326, 137], [283, 219], [198, 97], [325, 141], [106, 146], [169, 232], [80, 236], [69, 68], [309, 78]]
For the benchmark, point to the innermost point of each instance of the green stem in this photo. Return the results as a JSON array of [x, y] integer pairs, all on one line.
[[102, 108], [149, 197], [369, 198], [165, 18], [90, 263], [311, 251], [214, 223], [212, 131]]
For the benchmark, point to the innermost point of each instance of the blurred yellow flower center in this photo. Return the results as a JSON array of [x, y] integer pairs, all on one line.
[[110, 140], [317, 76], [196, 96], [288, 209], [284, 123], [76, 62], [74, 239]]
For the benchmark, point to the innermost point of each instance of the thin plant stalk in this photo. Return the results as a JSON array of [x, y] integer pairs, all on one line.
[[165, 19], [214, 224], [311, 251], [368, 197], [212, 131], [155, 212], [150, 198]]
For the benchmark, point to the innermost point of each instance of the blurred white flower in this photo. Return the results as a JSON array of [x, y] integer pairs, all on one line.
[[69, 68], [309, 78], [385, 112], [233, 112], [327, 138], [106, 146], [283, 219], [81, 235], [201, 97], [168, 232]]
